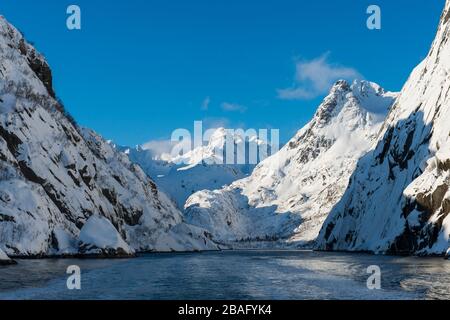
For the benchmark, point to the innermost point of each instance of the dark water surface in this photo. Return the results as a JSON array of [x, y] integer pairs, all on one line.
[[231, 275]]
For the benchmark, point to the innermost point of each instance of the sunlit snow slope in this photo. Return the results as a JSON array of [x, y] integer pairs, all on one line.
[[288, 196], [399, 199]]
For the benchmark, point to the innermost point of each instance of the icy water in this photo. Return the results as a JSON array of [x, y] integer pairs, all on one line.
[[231, 275]]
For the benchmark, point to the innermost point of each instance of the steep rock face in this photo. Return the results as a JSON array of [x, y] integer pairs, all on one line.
[[289, 195], [203, 168], [398, 201], [54, 176]]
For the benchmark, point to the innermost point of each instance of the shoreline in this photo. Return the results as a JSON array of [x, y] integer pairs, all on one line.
[[138, 255]]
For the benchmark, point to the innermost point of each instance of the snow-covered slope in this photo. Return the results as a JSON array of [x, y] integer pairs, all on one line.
[[54, 176], [399, 200], [288, 195], [203, 168], [98, 236]]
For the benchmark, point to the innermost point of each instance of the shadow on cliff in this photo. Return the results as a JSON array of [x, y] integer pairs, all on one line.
[[249, 223], [402, 151]]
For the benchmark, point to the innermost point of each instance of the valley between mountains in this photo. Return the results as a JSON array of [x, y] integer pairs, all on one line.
[[369, 173]]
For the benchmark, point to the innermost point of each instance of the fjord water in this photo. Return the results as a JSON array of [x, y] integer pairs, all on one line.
[[231, 275]]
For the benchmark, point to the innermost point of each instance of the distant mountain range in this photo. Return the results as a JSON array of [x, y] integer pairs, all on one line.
[[202, 168]]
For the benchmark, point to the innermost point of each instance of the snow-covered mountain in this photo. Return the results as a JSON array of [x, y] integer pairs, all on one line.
[[288, 196], [203, 168], [59, 184], [398, 200]]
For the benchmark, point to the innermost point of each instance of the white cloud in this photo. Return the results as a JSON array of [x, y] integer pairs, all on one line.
[[296, 93], [233, 107], [162, 149], [205, 103], [159, 148], [315, 77]]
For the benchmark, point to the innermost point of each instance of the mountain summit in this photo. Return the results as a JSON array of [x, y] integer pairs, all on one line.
[[288, 195], [204, 167], [398, 200]]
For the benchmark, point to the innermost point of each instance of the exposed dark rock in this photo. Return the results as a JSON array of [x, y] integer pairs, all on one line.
[[29, 174], [12, 140], [6, 218], [7, 262]]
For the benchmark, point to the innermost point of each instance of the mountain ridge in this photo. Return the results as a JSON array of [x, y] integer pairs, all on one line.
[[203, 167], [55, 176], [398, 201], [287, 195]]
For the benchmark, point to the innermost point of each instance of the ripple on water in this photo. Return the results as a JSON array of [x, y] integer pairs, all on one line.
[[231, 275]]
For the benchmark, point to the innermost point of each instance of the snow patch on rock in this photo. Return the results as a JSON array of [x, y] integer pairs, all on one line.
[[99, 236]]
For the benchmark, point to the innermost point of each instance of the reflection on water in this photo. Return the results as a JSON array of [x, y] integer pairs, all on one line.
[[231, 275]]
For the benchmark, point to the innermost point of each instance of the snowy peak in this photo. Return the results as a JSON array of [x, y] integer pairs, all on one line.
[[215, 151], [373, 98], [211, 152], [204, 167], [288, 195], [348, 109], [327, 109], [218, 138], [360, 99], [398, 198]]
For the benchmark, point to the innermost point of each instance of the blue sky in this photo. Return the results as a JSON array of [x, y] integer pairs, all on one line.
[[139, 69]]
